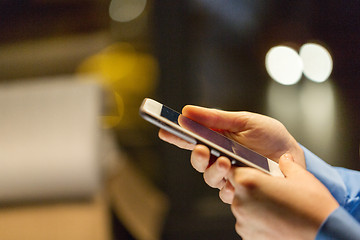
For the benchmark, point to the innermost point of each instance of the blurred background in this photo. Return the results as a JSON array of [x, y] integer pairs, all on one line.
[[77, 161]]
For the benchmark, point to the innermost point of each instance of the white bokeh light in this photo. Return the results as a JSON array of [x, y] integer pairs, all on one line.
[[126, 10], [284, 65], [317, 62]]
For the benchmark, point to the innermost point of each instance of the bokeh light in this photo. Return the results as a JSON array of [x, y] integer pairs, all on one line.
[[284, 65], [126, 10], [128, 76], [317, 62]]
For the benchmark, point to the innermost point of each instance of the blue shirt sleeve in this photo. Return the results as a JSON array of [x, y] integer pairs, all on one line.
[[344, 185], [339, 225]]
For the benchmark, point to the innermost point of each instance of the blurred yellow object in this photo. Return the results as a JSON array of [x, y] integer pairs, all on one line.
[[123, 68], [128, 74]]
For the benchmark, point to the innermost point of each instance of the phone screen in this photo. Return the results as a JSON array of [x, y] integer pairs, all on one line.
[[215, 137]]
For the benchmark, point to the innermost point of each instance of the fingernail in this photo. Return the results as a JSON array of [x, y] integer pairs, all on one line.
[[222, 165]]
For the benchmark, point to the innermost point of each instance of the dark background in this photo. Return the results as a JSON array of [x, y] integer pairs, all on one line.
[[210, 53]]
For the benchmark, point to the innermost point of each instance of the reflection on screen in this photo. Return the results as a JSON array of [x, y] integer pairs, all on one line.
[[215, 137]]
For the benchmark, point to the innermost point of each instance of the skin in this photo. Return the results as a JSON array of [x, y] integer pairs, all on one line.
[[265, 207]]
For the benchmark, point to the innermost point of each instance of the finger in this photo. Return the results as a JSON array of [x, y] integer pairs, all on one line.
[[171, 138], [288, 167], [239, 228], [226, 194], [215, 174], [217, 119], [237, 209], [200, 158], [247, 177]]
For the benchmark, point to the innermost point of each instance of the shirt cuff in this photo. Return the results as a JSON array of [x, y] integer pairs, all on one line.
[[327, 175], [339, 225]]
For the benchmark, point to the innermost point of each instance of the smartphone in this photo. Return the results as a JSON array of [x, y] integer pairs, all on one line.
[[195, 133]]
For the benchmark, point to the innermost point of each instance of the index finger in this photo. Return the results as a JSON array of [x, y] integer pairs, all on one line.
[[218, 119], [175, 140]]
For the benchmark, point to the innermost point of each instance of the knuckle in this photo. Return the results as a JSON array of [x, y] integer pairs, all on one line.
[[210, 181], [198, 163], [226, 196], [238, 228]]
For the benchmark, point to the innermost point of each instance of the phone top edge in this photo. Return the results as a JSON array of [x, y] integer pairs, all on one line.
[[150, 106], [151, 101], [274, 168]]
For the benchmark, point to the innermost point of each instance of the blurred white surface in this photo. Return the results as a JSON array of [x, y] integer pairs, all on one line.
[[49, 139]]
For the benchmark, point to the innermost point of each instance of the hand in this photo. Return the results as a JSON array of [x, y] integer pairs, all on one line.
[[260, 133], [267, 207]]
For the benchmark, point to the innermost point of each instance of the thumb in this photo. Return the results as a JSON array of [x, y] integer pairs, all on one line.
[[288, 167]]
